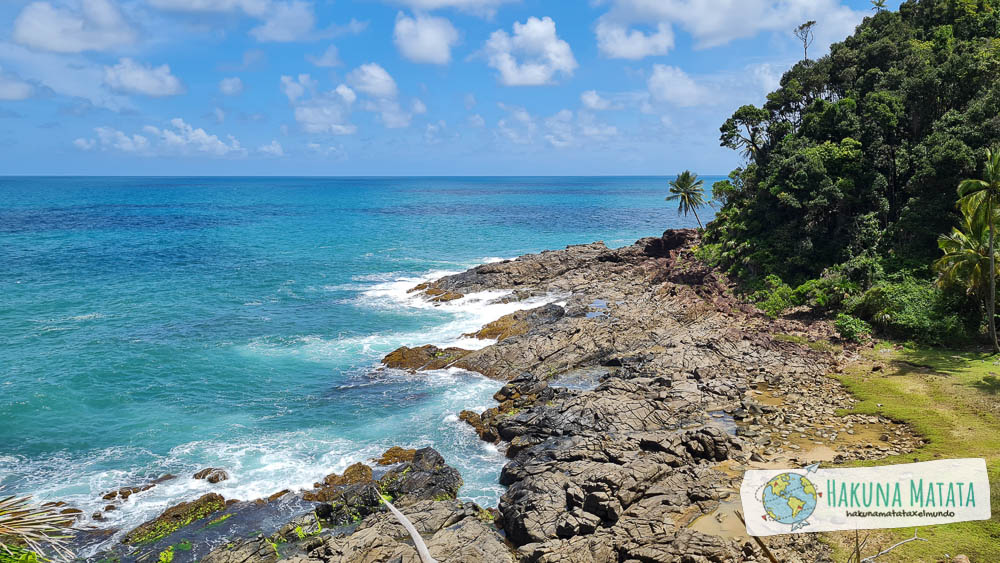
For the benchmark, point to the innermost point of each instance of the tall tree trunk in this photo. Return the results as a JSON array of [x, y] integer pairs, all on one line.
[[702, 227], [993, 282]]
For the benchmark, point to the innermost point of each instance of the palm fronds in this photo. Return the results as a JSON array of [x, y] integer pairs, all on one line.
[[40, 529]]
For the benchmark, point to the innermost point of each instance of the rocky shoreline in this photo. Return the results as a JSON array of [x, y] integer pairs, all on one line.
[[632, 404]]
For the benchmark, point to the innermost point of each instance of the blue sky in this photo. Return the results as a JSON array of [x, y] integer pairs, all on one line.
[[393, 87]]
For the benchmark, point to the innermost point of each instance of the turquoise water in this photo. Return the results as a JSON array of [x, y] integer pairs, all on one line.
[[155, 325]]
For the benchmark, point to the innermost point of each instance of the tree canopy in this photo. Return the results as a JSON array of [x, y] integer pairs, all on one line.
[[856, 156]]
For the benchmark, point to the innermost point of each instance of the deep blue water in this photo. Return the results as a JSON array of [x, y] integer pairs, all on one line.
[[162, 325]]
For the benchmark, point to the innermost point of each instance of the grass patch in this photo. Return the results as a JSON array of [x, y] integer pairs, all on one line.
[[939, 393], [819, 345]]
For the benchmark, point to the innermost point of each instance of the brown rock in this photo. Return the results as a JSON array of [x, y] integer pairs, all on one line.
[[396, 455], [423, 358], [353, 475], [441, 296], [212, 475], [277, 495]]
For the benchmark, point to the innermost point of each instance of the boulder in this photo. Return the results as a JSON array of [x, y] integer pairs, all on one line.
[[212, 475]]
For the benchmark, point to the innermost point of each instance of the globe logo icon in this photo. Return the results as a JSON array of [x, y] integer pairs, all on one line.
[[789, 498]]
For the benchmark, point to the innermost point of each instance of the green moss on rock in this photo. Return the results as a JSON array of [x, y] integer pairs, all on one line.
[[175, 518]]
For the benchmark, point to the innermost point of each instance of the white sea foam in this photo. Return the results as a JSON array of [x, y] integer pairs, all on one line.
[[260, 464]]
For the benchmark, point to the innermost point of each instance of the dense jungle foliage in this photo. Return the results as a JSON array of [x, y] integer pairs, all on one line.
[[852, 167]]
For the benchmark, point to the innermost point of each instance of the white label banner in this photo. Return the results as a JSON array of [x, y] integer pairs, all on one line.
[[865, 498]]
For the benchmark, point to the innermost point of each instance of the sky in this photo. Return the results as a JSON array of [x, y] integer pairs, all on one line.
[[391, 87]]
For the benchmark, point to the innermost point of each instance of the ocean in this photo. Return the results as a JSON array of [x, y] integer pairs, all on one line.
[[164, 325]]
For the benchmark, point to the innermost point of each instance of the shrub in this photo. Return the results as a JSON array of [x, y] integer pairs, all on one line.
[[776, 298], [824, 293], [909, 308], [852, 328]]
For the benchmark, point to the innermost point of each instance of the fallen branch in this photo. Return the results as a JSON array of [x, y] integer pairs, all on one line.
[[418, 542], [892, 547], [759, 541]]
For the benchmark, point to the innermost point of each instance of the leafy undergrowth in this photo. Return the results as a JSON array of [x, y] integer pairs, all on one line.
[[945, 396]]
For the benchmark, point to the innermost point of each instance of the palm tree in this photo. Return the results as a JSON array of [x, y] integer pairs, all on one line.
[[878, 5], [980, 197], [689, 193], [966, 260]]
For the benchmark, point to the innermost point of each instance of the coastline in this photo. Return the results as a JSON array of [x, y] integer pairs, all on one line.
[[710, 386]]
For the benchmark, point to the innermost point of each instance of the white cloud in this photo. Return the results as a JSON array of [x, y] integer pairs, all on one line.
[[13, 88], [84, 144], [479, 7], [715, 23], [330, 58], [346, 93], [390, 112], [671, 84], [618, 42], [94, 25], [281, 20], [291, 21], [589, 127], [470, 101], [67, 75], [518, 127], [231, 86], [183, 138], [476, 120], [419, 107], [434, 133], [219, 115], [538, 46], [115, 139], [272, 149], [425, 39], [327, 113], [560, 129], [296, 88], [373, 80], [593, 101], [135, 77]]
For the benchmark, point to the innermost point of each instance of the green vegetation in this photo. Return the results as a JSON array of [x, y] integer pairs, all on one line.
[[940, 393], [166, 556], [219, 520], [979, 204], [175, 519], [851, 169], [852, 328], [18, 555], [28, 532], [689, 193]]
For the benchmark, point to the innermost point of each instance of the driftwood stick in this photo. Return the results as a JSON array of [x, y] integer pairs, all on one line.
[[418, 542], [760, 542], [892, 547]]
